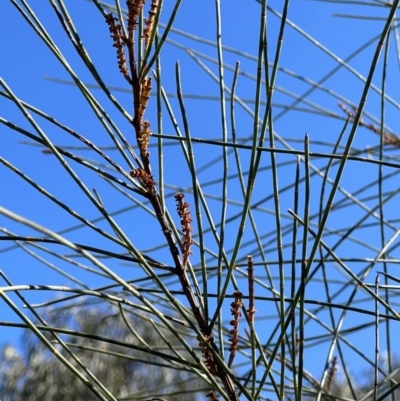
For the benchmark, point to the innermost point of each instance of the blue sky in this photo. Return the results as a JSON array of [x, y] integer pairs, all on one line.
[[27, 62]]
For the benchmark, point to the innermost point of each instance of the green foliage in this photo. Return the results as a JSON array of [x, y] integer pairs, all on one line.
[[260, 256]]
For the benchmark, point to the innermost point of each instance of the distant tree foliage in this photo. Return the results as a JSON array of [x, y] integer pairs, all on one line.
[[31, 373]]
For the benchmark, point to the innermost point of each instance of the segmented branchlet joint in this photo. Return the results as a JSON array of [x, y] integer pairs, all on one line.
[[212, 396], [236, 305], [184, 213], [331, 374], [207, 355], [296, 345], [134, 9], [145, 178], [150, 22], [119, 42]]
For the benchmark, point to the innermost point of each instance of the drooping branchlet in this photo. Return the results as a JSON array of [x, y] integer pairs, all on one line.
[[235, 312], [119, 43], [184, 214]]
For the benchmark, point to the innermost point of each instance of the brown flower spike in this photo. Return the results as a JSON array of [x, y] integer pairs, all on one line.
[[143, 177], [119, 43], [184, 214], [134, 9], [143, 139], [207, 355], [144, 97], [150, 22], [235, 312]]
